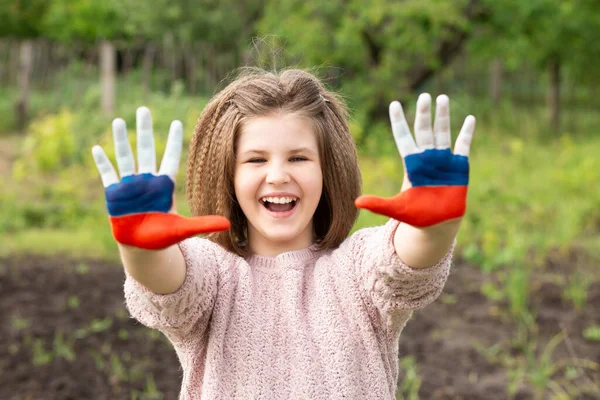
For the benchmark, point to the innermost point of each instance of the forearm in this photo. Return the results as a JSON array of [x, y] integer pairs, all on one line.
[[160, 271], [423, 247]]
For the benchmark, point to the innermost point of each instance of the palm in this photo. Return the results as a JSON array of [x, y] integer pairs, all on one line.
[[436, 180], [140, 205]]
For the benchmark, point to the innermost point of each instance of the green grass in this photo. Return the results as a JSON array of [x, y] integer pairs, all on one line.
[[86, 242]]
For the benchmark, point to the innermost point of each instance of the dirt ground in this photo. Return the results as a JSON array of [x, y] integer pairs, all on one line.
[[65, 334]]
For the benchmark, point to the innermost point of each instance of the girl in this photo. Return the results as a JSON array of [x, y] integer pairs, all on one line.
[[276, 302]]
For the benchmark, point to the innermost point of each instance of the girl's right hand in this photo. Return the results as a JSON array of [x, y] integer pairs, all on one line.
[[141, 206]]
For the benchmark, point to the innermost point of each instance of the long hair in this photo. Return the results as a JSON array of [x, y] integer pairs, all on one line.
[[255, 93]]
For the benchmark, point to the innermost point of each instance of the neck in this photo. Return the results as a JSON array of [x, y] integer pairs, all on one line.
[[262, 246]]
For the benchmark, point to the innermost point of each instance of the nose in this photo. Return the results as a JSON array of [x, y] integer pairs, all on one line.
[[277, 174]]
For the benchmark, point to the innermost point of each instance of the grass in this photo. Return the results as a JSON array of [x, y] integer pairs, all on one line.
[[85, 242]]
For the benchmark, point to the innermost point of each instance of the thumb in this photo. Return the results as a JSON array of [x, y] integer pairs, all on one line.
[[378, 205], [155, 231]]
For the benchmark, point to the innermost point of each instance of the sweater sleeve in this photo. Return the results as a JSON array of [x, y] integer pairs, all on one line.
[[391, 286], [177, 313]]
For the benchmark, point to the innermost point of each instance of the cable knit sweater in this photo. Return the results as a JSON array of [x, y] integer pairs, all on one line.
[[307, 324]]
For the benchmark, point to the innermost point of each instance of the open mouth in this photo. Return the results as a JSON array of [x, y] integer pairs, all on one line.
[[279, 204]]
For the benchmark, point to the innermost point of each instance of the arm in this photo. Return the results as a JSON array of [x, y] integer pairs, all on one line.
[[423, 247], [432, 200], [143, 217], [390, 288], [171, 283], [161, 271]]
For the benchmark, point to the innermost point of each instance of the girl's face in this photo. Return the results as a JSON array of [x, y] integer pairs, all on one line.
[[278, 182]]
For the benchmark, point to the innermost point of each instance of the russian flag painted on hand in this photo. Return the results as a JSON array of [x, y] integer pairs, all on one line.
[[139, 206], [439, 190], [438, 177]]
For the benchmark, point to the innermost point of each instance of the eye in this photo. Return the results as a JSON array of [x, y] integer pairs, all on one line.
[[256, 160], [298, 158]]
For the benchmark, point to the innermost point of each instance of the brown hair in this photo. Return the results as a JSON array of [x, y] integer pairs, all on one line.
[[211, 163]]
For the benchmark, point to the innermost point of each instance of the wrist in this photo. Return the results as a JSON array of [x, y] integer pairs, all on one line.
[[446, 228]]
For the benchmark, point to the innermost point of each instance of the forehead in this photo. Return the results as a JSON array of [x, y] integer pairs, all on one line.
[[277, 132]]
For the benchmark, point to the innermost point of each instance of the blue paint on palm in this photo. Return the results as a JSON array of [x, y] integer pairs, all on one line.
[[139, 194], [436, 167]]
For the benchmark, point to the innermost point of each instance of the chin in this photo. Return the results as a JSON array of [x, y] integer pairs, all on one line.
[[282, 237]]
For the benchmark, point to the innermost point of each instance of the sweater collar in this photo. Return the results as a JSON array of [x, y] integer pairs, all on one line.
[[289, 258]]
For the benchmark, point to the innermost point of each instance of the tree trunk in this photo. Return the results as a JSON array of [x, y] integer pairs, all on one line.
[[107, 77], [192, 68], [496, 69], [554, 94], [128, 59], [44, 63], [14, 62], [25, 67], [147, 65], [4, 46]]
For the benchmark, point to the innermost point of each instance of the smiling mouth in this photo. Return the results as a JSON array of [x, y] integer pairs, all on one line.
[[279, 207]]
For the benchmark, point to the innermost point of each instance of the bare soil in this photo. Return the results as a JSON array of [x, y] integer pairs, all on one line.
[[65, 334]]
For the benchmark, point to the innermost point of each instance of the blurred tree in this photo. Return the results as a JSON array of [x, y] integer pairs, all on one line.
[[386, 50], [200, 29], [21, 20], [93, 23], [562, 34], [549, 34]]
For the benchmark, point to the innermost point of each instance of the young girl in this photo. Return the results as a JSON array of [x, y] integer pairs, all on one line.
[[276, 302]]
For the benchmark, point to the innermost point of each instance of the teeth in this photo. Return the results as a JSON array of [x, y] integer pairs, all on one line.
[[278, 200]]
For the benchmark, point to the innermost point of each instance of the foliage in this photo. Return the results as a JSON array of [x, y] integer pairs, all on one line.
[[536, 365], [188, 21], [50, 145], [375, 45], [408, 386], [86, 20], [22, 18], [592, 333], [576, 290]]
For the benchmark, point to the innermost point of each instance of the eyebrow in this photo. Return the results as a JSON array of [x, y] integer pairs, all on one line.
[[294, 151]]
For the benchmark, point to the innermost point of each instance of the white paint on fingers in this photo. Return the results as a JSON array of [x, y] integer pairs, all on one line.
[[170, 162], [404, 140], [423, 131], [145, 142], [105, 167], [463, 142], [441, 127], [123, 153]]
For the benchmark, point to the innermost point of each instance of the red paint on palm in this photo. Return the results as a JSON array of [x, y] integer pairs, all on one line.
[[155, 231], [419, 206]]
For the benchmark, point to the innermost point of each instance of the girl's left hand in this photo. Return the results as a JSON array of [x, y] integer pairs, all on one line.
[[435, 179]]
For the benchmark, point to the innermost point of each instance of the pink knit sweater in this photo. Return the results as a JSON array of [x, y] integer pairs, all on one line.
[[306, 324]]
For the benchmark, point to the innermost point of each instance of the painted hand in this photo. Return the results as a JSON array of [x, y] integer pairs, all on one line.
[[140, 206], [435, 180]]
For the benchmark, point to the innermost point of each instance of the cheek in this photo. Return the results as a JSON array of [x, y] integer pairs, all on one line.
[[314, 182], [244, 185]]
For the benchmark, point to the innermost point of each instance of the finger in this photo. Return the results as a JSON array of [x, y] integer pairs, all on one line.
[[123, 152], [441, 126], [404, 140], [145, 142], [423, 131], [105, 167], [170, 162], [463, 142]]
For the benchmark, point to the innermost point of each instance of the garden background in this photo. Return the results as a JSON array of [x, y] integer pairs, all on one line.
[[520, 316]]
